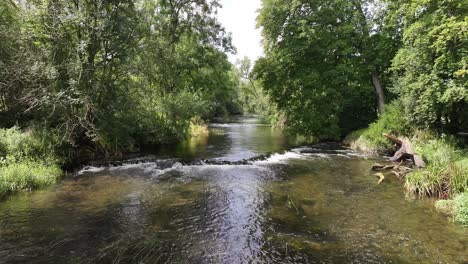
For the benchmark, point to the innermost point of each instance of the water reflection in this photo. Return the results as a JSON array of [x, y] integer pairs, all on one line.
[[240, 139]]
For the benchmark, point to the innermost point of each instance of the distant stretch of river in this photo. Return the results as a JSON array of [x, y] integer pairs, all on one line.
[[244, 194]]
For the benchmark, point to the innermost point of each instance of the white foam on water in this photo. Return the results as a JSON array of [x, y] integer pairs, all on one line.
[[188, 169], [216, 125], [131, 166], [90, 169], [280, 158], [176, 167], [154, 169]]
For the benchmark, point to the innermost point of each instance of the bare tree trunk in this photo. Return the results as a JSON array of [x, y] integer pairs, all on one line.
[[380, 92]]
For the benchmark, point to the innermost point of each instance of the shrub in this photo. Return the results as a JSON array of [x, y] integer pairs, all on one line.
[[198, 127], [371, 139], [28, 159], [27, 175], [38, 145], [391, 122], [357, 141], [427, 182], [461, 208], [445, 206], [438, 152]]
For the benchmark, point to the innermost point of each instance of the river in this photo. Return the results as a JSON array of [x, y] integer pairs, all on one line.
[[244, 194]]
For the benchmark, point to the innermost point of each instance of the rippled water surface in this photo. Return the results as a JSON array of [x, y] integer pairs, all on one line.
[[244, 194]]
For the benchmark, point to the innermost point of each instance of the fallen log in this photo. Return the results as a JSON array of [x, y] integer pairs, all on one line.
[[405, 151]]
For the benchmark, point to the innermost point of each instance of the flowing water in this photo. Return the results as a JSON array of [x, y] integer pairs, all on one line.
[[244, 194]]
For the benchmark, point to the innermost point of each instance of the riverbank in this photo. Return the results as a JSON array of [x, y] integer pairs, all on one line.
[[32, 159], [306, 204], [29, 160], [445, 176]]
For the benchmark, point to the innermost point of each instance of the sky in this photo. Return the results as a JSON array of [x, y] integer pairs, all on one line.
[[239, 18]]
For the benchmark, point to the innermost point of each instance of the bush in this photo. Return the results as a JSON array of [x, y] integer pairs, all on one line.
[[461, 208], [438, 152], [371, 139], [357, 141], [27, 175], [16, 146], [391, 122], [28, 159], [445, 206], [458, 208]]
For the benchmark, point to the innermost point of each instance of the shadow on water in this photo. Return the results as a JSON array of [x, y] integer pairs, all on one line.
[[316, 204]]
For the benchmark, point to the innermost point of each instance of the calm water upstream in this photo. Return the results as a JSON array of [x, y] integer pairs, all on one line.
[[208, 201]]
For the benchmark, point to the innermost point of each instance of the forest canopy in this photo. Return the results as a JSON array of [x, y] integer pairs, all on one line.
[[330, 66], [114, 74]]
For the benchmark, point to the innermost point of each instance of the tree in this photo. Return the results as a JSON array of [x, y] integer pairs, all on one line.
[[113, 75], [431, 69], [251, 95], [323, 59]]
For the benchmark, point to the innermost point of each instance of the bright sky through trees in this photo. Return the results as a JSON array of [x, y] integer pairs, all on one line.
[[239, 18]]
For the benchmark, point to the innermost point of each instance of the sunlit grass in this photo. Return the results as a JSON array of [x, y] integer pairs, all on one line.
[[461, 208], [27, 175], [446, 174], [27, 161]]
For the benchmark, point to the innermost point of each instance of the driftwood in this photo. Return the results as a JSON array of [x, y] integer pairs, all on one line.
[[380, 176], [406, 151], [378, 166], [398, 170]]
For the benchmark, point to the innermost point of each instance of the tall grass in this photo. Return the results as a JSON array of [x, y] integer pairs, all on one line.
[[446, 174], [28, 160], [27, 175], [371, 140]]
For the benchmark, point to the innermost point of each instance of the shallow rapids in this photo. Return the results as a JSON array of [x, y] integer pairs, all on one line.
[[244, 194]]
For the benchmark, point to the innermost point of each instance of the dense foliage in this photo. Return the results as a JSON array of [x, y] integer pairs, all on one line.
[[447, 171], [251, 95], [27, 160], [431, 74], [327, 61], [370, 139], [113, 75]]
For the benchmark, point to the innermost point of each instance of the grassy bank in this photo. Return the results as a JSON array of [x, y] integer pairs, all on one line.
[[446, 175], [28, 160], [35, 157]]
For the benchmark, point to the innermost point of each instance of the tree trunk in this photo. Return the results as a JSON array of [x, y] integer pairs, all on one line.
[[380, 92]]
